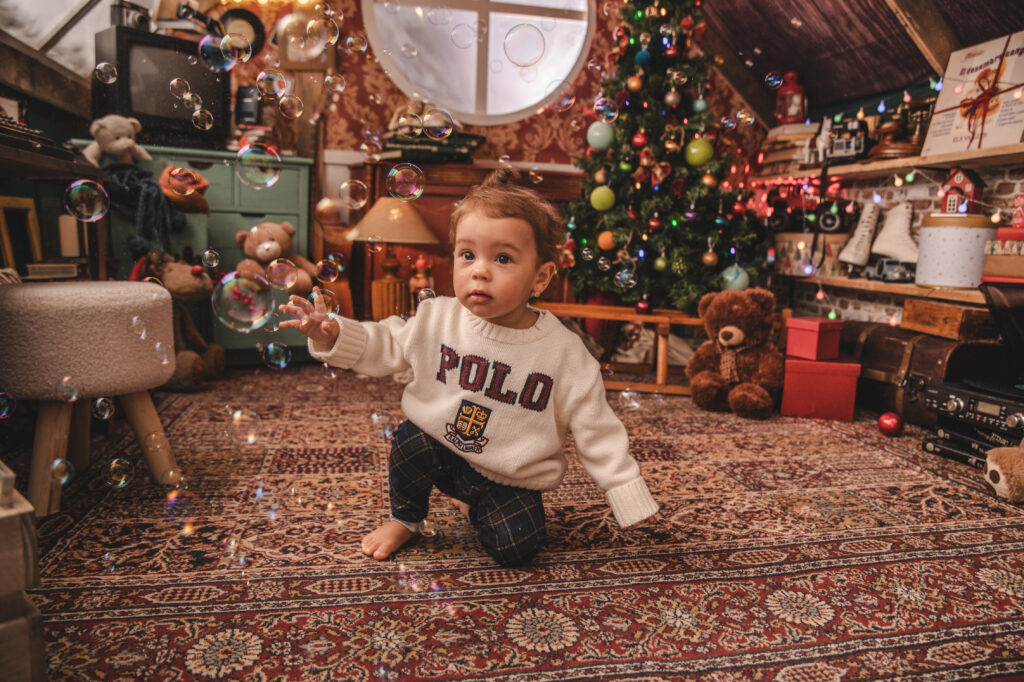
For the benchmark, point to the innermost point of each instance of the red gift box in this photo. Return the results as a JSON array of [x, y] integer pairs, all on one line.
[[813, 338], [822, 390]]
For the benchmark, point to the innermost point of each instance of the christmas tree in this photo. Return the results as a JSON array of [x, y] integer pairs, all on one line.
[[656, 225]]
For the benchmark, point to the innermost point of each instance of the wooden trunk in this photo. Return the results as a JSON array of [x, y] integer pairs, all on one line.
[[949, 320], [897, 364]]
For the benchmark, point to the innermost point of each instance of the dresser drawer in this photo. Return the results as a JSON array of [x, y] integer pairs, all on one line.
[[287, 194]]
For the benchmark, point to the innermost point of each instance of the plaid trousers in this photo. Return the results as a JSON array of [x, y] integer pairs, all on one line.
[[509, 521]]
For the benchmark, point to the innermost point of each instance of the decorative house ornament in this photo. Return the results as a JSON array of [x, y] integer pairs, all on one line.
[[961, 192]]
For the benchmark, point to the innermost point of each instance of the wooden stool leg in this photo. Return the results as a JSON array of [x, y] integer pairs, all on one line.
[[138, 408], [661, 344], [78, 447], [51, 443]]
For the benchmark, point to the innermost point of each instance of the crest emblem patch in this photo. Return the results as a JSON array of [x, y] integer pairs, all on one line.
[[467, 433]]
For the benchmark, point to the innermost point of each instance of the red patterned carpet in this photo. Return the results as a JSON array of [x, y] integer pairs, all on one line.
[[786, 550]]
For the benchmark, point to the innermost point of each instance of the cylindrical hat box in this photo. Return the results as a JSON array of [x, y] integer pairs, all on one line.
[[951, 249]]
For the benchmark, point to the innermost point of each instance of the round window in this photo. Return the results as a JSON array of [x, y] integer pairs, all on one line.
[[485, 62]]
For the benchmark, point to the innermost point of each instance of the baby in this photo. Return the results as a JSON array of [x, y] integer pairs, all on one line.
[[497, 384]]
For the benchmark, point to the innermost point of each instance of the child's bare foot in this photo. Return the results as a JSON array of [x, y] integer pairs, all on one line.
[[382, 543], [462, 507]]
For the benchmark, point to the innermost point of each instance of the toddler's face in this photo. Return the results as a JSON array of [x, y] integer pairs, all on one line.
[[496, 268]]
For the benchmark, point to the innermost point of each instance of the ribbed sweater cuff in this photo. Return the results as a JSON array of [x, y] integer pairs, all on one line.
[[347, 349], [631, 502]]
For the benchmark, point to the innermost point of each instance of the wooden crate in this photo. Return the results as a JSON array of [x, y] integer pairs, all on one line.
[[949, 320]]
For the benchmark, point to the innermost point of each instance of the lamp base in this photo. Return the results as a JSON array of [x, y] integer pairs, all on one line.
[[389, 296]]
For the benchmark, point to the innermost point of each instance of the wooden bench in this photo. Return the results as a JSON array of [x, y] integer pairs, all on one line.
[[660, 317]]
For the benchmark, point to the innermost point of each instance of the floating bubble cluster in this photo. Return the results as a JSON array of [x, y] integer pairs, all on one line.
[[86, 200], [258, 165], [242, 302]]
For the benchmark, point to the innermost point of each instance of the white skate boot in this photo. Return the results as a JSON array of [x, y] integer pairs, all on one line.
[[858, 250], [894, 239]]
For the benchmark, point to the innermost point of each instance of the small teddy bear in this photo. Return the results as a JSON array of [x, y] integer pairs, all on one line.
[[738, 368], [114, 137], [267, 242], [187, 283], [1004, 472]]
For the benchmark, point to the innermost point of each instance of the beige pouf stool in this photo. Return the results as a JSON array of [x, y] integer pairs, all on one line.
[[85, 331]]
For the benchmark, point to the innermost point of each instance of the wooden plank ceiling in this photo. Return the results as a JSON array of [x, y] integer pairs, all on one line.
[[850, 49]]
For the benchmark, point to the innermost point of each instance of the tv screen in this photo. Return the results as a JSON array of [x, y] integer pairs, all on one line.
[[146, 64]]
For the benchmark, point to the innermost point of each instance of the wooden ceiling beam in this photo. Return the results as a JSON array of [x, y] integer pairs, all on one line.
[[751, 89], [928, 29]]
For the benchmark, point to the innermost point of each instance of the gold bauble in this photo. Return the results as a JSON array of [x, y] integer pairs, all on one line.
[[634, 83], [709, 180], [600, 177], [709, 258]]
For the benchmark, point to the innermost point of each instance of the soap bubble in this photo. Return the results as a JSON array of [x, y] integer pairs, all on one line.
[[162, 353], [324, 27], [7, 404], [236, 47], [105, 73], [68, 389], [565, 95], [332, 213], [405, 182], [338, 258], [327, 270], [211, 53], [425, 294], [211, 258], [273, 322], [773, 79], [331, 304], [438, 124], [356, 43], [535, 176], [86, 200], [524, 45], [183, 181], [202, 119], [439, 16], [745, 117], [728, 123], [258, 165], [103, 408], [409, 125], [277, 355], [606, 109], [375, 244], [271, 83], [290, 106], [334, 84], [282, 273], [629, 400], [409, 51], [528, 74], [179, 87], [61, 471], [192, 100], [463, 36], [138, 325], [244, 425], [354, 194], [386, 422], [625, 278], [242, 302], [119, 473], [427, 529]]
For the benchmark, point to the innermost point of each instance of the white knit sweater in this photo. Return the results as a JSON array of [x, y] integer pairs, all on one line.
[[501, 398]]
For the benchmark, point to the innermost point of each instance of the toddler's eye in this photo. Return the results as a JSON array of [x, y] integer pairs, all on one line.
[[466, 255], [504, 258]]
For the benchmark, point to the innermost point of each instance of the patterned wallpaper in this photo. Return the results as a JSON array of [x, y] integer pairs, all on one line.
[[549, 137]]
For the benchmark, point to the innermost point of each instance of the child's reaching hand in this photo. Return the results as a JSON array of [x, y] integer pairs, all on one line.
[[311, 320]]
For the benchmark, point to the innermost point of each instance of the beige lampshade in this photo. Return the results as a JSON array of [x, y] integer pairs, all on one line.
[[393, 222]]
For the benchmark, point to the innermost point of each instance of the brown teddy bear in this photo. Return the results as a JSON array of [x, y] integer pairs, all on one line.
[[187, 283], [738, 368], [267, 242], [114, 137], [1004, 471]]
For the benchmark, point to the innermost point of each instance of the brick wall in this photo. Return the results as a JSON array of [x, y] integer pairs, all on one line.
[[1000, 186]]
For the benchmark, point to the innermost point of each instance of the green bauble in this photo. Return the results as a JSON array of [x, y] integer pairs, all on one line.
[[600, 135], [698, 152], [602, 198]]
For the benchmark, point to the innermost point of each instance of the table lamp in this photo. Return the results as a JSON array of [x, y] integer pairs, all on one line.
[[390, 221]]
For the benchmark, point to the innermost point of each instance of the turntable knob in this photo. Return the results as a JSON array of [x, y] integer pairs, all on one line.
[[1015, 420], [956, 404]]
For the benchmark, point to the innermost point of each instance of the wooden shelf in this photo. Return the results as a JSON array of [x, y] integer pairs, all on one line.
[[901, 289], [22, 163], [1007, 155]]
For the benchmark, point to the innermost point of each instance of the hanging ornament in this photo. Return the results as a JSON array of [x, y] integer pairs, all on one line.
[[672, 147], [692, 214], [654, 223], [738, 208], [642, 58], [721, 221], [621, 32], [631, 212], [600, 135], [606, 240], [640, 139], [625, 166], [710, 258], [698, 152], [660, 171], [709, 180], [672, 97], [634, 83], [642, 175], [734, 277], [646, 157], [643, 306], [660, 263], [571, 225], [602, 198], [601, 176], [700, 105], [672, 52]]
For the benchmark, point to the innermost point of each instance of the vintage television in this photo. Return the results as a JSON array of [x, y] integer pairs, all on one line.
[[146, 63]]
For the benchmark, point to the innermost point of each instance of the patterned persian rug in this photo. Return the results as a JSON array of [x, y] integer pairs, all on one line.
[[789, 549]]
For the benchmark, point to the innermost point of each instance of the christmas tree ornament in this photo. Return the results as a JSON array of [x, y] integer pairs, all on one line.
[[625, 166], [621, 32], [698, 152], [642, 58], [672, 147], [744, 117], [606, 240], [734, 277], [631, 212], [571, 225], [646, 157], [642, 176], [691, 213], [700, 105], [602, 198], [640, 139], [709, 180], [660, 263], [587, 253], [643, 306], [721, 221], [890, 423], [604, 264], [654, 223], [601, 176], [738, 208], [672, 97], [660, 171], [600, 135], [652, 11], [672, 52], [634, 83], [709, 258]]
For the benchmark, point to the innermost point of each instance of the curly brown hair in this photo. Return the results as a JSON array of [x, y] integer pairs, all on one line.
[[500, 196]]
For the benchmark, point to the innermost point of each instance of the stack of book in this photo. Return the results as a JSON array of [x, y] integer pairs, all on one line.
[[456, 148], [785, 148], [1004, 255]]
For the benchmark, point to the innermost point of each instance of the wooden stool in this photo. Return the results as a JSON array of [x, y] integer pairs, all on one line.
[[83, 332]]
